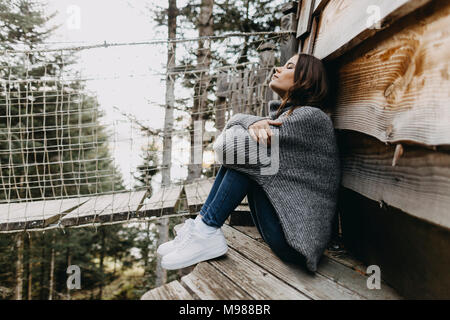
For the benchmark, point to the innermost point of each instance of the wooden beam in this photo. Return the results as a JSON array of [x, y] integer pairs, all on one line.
[[106, 208], [308, 43], [163, 202], [289, 7], [305, 18], [397, 89], [419, 183], [196, 194], [413, 255], [35, 214], [319, 5], [125, 206], [171, 291], [256, 281], [208, 283], [346, 23], [314, 287], [288, 43]]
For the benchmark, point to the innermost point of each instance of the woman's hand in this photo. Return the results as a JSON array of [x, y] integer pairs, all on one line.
[[260, 130]]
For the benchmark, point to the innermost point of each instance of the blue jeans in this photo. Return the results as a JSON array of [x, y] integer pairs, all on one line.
[[229, 189]]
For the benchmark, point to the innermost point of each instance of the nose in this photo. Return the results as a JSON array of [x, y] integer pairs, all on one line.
[[278, 70]]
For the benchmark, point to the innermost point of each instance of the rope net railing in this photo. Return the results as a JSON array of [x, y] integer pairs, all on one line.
[[82, 128]]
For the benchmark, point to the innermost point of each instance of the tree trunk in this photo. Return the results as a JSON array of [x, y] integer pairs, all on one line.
[[29, 269], [69, 262], [19, 266], [102, 257], [205, 28], [163, 229], [42, 277], [52, 269]]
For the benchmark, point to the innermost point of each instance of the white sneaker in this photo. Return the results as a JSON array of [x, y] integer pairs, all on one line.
[[194, 248], [169, 246]]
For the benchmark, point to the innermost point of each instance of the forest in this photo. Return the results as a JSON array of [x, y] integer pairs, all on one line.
[[116, 261]]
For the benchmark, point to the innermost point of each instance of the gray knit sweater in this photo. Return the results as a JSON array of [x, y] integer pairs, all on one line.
[[303, 185]]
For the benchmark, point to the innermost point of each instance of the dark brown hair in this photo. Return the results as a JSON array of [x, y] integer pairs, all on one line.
[[311, 85]]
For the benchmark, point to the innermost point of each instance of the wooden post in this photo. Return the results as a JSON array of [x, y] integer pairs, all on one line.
[[221, 104], [19, 267], [266, 61], [52, 269], [289, 43], [163, 232]]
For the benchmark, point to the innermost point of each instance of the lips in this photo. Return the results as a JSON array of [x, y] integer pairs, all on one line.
[[274, 77]]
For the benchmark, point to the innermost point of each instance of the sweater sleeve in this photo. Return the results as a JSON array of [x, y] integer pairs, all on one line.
[[234, 148], [244, 120]]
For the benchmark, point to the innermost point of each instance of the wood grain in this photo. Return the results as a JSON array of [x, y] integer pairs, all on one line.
[[171, 291], [256, 281], [419, 183], [399, 90], [35, 214], [304, 20], [346, 23], [210, 284], [313, 286]]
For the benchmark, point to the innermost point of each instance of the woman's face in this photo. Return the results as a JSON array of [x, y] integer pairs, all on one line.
[[283, 78]]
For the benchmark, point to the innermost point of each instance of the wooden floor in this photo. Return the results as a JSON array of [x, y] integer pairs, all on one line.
[[250, 271]]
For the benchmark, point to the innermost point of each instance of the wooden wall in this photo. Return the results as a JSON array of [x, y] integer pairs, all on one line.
[[392, 115]]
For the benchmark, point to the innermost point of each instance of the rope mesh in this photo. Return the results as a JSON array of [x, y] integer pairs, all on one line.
[[69, 159]]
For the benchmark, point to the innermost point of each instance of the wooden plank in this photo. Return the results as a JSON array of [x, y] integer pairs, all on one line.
[[171, 291], [256, 281], [125, 206], [308, 43], [209, 284], [395, 91], [319, 5], [412, 254], [288, 42], [419, 183], [162, 202], [106, 208], [314, 286], [304, 21], [35, 214], [355, 280], [88, 212], [344, 270], [249, 231], [289, 7], [197, 193], [353, 22]]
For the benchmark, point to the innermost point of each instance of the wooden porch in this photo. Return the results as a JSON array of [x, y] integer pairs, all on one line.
[[251, 271]]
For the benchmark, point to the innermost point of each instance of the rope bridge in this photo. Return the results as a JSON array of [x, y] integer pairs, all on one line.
[[61, 159]]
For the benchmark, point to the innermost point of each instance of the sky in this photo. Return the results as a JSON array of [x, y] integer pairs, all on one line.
[[124, 77]]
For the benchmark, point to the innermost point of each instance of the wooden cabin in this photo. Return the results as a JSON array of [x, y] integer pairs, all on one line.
[[389, 63]]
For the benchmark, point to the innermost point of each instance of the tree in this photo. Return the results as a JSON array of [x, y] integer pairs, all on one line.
[[63, 145]]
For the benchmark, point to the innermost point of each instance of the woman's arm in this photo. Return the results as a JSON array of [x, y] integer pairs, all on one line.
[[234, 148], [244, 120]]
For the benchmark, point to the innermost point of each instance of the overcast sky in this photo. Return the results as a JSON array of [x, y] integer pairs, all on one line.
[[123, 75]]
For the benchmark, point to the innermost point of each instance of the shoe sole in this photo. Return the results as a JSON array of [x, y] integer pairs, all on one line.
[[203, 257]]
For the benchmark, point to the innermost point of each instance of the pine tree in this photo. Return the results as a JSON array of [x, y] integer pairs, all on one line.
[[63, 142]]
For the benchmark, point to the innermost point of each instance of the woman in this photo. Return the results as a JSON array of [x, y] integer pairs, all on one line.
[[292, 196]]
